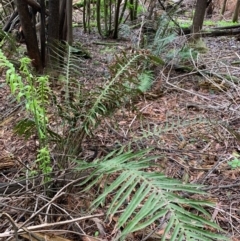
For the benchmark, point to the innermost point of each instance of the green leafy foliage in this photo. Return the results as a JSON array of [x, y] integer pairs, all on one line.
[[108, 15], [152, 196], [84, 110], [146, 79], [161, 44], [34, 91], [146, 197], [44, 163], [128, 76], [25, 127], [235, 162]]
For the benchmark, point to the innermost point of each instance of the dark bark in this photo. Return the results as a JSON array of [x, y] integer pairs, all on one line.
[[7, 25], [29, 32], [223, 7], [236, 11], [221, 31], [62, 25], [42, 32], [69, 22], [198, 18], [53, 30], [226, 32], [209, 10], [116, 20], [35, 5]]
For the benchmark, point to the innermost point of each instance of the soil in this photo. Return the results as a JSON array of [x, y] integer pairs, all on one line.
[[204, 106]]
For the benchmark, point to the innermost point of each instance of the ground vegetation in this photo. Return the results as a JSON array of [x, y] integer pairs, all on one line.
[[118, 126]]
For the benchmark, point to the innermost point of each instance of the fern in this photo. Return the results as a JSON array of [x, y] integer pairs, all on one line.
[[153, 196], [112, 94], [34, 91], [128, 79], [146, 79], [87, 109]]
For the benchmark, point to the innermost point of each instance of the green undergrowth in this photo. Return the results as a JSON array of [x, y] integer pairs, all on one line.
[[186, 23], [120, 178], [151, 195]]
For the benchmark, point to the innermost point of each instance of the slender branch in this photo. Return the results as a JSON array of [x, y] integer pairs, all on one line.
[[44, 225], [15, 227]]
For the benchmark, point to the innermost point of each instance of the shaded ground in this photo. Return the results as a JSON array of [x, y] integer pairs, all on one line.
[[197, 152]]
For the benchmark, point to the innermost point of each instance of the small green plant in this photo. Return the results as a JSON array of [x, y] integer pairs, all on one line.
[[235, 162], [34, 91], [44, 162], [146, 80]]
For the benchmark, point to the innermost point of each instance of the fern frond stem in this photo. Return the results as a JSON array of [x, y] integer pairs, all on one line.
[[67, 75]]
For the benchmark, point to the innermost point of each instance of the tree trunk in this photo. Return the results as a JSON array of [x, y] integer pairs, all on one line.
[[53, 30], [198, 19], [29, 34], [223, 7], [42, 32], [116, 20], [62, 28], [69, 22], [236, 12]]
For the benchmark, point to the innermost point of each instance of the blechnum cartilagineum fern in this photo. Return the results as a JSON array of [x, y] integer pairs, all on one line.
[[34, 91], [152, 198], [129, 76]]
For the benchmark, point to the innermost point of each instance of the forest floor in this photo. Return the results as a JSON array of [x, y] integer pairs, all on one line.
[[198, 152]]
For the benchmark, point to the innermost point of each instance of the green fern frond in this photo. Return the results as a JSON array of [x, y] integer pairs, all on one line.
[[70, 67], [7, 42], [127, 80], [157, 130], [43, 90], [146, 79], [152, 196], [85, 110]]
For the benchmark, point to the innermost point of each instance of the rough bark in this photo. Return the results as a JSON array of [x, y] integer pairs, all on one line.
[[198, 19], [29, 32]]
